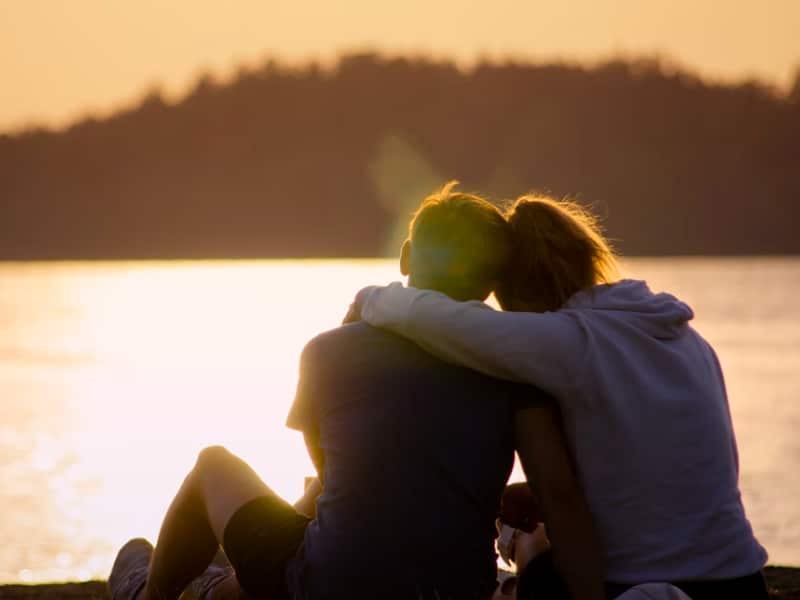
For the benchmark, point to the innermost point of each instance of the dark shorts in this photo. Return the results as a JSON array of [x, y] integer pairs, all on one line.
[[259, 540], [540, 580], [752, 587]]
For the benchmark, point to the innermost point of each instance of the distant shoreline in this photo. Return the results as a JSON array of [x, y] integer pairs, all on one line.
[[164, 259], [784, 584], [290, 161]]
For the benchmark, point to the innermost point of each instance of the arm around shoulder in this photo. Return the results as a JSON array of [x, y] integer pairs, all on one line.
[[543, 349]]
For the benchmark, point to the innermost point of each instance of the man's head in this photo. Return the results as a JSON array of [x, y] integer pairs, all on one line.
[[458, 244]]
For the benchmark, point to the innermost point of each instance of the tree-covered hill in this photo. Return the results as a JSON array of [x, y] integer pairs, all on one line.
[[313, 162]]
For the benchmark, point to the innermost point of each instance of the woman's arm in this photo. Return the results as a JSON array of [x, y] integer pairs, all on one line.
[[542, 449], [543, 349]]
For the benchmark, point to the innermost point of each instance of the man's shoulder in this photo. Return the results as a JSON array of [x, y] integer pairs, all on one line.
[[356, 337], [361, 348], [348, 331]]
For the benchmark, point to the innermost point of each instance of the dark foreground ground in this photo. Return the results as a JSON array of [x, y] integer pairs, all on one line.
[[784, 583]]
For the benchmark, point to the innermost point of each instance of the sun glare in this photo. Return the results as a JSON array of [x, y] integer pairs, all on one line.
[[185, 358]]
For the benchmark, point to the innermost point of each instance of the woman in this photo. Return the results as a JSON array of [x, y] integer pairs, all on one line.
[[641, 393]]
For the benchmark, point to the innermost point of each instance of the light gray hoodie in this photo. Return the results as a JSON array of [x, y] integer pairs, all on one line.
[[644, 408]]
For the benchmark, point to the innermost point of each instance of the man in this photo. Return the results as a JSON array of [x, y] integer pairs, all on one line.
[[412, 457]]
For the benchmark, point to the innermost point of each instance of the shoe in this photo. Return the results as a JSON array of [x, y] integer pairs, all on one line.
[[129, 573], [213, 578]]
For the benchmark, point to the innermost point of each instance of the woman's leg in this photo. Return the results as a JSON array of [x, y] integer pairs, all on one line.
[[193, 528]]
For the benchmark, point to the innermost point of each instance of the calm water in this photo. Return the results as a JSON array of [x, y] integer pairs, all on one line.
[[114, 375]]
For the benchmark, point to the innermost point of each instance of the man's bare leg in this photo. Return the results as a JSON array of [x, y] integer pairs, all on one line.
[[193, 528]]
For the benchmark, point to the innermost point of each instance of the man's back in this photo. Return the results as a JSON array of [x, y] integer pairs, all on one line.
[[417, 453]]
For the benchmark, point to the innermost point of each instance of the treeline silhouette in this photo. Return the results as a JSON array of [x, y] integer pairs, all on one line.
[[299, 162]]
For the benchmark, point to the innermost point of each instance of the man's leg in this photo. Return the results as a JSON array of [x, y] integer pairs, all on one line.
[[194, 526]]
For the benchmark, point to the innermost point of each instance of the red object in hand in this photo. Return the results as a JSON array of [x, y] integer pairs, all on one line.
[[518, 508]]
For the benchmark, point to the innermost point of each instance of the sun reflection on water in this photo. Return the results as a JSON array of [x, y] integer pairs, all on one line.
[[114, 375], [175, 357]]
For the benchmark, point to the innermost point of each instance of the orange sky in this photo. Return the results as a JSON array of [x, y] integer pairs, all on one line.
[[61, 59]]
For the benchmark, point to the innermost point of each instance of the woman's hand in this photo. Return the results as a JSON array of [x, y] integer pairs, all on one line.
[[354, 312]]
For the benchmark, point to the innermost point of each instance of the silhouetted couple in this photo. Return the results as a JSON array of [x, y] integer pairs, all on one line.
[[615, 405]]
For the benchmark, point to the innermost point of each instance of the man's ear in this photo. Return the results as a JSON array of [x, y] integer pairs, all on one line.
[[405, 258]]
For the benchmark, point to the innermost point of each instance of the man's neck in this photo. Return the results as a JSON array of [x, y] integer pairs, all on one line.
[[422, 283]]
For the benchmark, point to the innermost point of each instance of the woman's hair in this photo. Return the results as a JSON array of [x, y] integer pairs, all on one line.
[[558, 250]]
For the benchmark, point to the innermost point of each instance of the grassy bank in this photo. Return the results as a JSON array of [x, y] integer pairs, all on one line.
[[784, 583]]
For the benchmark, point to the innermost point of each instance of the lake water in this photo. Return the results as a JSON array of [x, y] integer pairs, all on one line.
[[113, 375]]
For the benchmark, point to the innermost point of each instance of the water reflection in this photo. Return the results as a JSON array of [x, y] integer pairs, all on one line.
[[156, 361], [114, 375]]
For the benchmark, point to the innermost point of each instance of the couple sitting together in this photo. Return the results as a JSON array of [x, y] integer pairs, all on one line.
[[412, 411]]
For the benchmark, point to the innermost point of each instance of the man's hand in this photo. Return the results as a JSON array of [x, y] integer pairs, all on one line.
[[307, 504]]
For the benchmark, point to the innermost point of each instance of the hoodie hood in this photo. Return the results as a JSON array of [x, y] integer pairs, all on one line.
[[661, 316]]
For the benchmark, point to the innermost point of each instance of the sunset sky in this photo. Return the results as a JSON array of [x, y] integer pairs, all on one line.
[[63, 59]]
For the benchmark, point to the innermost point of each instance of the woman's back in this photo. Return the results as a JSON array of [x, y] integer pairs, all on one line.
[[650, 428]]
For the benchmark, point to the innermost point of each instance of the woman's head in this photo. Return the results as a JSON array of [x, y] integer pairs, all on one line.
[[558, 251]]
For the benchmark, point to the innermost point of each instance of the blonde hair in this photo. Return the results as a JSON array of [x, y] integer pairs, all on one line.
[[559, 250], [461, 243]]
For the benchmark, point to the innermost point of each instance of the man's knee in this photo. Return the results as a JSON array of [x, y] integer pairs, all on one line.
[[226, 483], [217, 464], [213, 457]]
